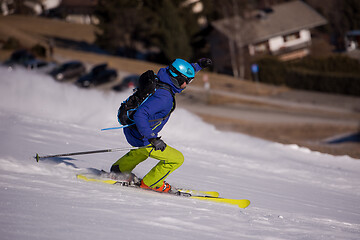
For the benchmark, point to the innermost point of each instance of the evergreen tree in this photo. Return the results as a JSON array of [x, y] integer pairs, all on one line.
[[173, 38], [119, 23], [351, 13], [165, 24]]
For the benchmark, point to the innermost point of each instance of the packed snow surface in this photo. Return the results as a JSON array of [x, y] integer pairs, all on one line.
[[295, 193]]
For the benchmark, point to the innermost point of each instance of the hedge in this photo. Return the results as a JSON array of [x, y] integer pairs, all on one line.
[[338, 74], [339, 83]]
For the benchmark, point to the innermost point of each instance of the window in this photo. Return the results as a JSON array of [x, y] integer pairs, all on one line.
[[261, 47], [292, 36]]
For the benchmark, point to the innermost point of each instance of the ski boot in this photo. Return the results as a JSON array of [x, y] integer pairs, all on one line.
[[164, 188], [123, 178]]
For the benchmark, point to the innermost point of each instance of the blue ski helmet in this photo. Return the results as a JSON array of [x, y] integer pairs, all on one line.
[[182, 71]]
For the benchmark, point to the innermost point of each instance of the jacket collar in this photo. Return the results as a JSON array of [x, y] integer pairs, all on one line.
[[164, 77]]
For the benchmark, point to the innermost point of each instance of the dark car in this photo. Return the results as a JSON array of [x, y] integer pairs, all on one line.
[[131, 81], [100, 74], [39, 66], [18, 58], [68, 70]]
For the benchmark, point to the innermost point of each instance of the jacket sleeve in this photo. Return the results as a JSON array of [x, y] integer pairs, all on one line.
[[196, 67]]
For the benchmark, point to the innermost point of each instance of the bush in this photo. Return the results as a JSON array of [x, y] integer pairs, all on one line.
[[11, 43], [338, 63], [336, 74], [39, 50], [271, 70], [340, 83]]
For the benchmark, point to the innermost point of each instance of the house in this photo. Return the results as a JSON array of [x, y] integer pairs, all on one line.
[[35, 7], [7, 7], [352, 40], [78, 11], [352, 44], [282, 30]]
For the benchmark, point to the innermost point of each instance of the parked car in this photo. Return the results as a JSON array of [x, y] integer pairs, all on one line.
[[131, 81], [68, 70], [100, 74], [18, 58], [39, 66]]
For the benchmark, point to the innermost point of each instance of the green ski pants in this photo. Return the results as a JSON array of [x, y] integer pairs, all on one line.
[[169, 160]]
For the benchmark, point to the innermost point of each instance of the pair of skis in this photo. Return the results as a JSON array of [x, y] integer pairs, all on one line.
[[104, 177], [128, 181]]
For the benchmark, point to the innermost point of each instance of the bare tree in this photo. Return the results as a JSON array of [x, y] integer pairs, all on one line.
[[239, 32]]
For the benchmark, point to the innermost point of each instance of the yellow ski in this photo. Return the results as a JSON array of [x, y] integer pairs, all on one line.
[[92, 178], [199, 193], [194, 194], [88, 179], [241, 203]]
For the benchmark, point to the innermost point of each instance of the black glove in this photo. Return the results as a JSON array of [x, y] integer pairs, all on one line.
[[157, 143], [204, 62]]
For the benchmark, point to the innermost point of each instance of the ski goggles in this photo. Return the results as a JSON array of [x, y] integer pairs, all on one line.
[[179, 76]]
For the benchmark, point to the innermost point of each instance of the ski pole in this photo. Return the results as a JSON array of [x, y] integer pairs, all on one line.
[[111, 128], [37, 157]]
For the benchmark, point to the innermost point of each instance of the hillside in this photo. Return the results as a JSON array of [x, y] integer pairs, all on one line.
[[295, 193], [274, 113]]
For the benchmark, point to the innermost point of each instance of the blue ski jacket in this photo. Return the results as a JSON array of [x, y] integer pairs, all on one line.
[[155, 107]]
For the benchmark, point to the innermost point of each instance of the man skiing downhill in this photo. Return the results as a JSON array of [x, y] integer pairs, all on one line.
[[150, 118]]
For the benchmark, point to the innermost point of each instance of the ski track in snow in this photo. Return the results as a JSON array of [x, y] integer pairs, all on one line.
[[295, 193]]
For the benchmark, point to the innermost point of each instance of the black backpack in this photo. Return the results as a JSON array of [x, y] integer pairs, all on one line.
[[148, 83]]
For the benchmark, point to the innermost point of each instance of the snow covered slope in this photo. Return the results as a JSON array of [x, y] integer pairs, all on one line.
[[294, 193]]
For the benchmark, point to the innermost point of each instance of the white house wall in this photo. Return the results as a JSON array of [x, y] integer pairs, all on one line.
[[277, 43], [305, 36], [49, 4]]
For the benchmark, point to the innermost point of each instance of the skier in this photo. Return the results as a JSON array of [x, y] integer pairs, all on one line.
[[150, 118]]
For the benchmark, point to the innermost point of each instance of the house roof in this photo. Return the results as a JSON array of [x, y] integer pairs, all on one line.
[[284, 19]]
